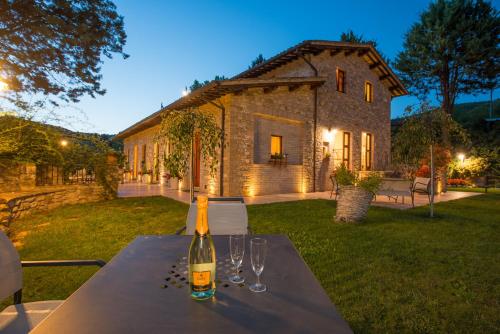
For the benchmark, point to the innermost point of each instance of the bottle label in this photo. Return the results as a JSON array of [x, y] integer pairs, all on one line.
[[201, 276]]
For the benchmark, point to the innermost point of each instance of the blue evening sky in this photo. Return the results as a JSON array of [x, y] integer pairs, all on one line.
[[172, 43]]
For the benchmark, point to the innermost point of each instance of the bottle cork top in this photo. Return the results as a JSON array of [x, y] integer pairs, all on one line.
[[202, 201]]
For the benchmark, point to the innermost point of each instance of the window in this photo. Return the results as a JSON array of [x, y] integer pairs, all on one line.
[[368, 92], [276, 145], [340, 81], [366, 151], [346, 149]]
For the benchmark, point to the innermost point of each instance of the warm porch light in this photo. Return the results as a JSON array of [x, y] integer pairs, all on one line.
[[461, 157], [63, 143], [329, 135]]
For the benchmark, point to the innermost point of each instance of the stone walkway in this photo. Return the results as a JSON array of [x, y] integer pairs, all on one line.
[[145, 190]]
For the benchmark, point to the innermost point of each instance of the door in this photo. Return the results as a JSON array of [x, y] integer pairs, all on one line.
[[197, 161], [136, 162]]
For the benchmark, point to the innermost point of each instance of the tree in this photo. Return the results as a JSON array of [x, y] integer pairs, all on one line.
[[351, 37], [425, 135], [257, 61], [452, 50], [55, 48], [178, 128], [26, 141], [197, 84]]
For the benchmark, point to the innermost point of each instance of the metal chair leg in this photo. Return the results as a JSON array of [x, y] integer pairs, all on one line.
[[18, 296]]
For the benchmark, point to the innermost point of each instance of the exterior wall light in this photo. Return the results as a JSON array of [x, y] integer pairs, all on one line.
[[328, 135], [63, 143]]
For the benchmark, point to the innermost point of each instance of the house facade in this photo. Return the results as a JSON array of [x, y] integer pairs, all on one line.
[[288, 122]]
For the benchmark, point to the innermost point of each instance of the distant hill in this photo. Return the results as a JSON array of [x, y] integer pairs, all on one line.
[[472, 116]]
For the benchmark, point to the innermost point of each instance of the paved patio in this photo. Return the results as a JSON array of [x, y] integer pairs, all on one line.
[[145, 190]]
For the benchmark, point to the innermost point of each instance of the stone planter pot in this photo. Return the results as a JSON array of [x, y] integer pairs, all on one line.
[[173, 183], [352, 204]]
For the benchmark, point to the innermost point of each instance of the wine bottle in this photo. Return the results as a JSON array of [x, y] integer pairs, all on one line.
[[202, 256]]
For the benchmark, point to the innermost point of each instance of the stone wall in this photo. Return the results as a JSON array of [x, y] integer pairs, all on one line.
[[22, 204], [287, 114]]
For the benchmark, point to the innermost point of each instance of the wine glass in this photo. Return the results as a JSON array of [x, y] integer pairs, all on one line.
[[258, 250], [237, 250]]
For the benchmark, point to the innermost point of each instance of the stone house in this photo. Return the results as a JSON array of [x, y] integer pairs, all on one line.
[[288, 122]]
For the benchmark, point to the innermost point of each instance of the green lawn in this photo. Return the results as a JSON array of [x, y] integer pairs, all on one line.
[[397, 272], [475, 190]]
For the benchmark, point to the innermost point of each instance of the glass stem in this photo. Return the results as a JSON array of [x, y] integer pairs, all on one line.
[[258, 279], [237, 271]]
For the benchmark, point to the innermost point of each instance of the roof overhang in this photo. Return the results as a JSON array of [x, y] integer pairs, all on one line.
[[216, 89], [315, 47]]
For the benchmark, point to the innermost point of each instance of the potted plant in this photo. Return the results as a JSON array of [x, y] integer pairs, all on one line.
[[126, 171], [355, 194], [278, 158]]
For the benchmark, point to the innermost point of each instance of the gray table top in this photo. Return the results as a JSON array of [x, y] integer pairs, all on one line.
[[143, 289]]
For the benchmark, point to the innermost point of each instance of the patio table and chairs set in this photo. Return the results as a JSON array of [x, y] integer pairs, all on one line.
[[145, 287]]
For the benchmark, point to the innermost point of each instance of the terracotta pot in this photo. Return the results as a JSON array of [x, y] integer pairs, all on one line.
[[352, 204]]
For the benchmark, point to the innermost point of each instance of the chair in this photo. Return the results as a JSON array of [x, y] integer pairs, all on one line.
[[421, 185], [226, 216], [335, 186], [394, 188], [21, 318]]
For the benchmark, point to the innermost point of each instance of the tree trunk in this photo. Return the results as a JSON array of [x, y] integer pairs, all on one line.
[[431, 204]]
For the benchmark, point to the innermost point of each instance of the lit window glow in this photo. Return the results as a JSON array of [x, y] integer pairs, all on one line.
[[276, 145]]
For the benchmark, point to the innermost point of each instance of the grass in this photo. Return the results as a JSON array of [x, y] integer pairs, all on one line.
[[399, 271], [475, 190]]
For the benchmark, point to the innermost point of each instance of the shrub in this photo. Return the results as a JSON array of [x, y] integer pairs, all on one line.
[[345, 177], [371, 183]]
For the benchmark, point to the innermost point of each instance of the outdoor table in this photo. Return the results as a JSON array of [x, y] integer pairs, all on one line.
[[144, 289]]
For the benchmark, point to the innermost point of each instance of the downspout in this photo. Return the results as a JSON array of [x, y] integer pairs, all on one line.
[[223, 126], [315, 119], [191, 181]]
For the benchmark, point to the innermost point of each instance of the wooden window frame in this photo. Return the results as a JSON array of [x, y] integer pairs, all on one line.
[[346, 148], [144, 157], [368, 151], [340, 89], [281, 144], [368, 92]]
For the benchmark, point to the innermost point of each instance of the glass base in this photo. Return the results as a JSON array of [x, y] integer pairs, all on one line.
[[203, 295], [258, 287], [236, 279]]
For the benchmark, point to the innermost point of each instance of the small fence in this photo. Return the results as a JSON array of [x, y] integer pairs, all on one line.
[[47, 175]]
